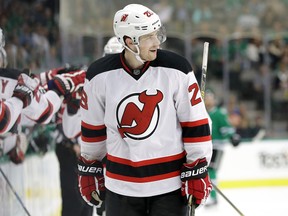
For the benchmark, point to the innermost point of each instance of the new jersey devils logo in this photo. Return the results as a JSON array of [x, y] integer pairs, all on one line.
[[138, 115]]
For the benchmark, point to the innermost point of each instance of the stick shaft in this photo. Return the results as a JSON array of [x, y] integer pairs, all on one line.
[[15, 193], [192, 210], [192, 206], [204, 68], [223, 195]]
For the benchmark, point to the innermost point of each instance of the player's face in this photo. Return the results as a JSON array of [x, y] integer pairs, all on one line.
[[148, 45]]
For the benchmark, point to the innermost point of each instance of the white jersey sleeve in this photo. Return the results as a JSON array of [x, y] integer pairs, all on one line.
[[43, 107], [7, 143], [93, 129], [9, 113], [71, 124], [194, 120]]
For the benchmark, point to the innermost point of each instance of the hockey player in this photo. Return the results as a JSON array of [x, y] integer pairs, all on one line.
[[144, 121], [13, 143], [68, 150], [71, 114], [10, 107], [222, 131]]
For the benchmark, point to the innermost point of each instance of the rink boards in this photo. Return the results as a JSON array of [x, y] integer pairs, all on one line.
[[258, 166]]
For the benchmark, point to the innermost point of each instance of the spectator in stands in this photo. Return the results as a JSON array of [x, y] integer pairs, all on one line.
[[202, 13], [276, 49], [164, 9], [260, 82], [23, 27], [282, 75]]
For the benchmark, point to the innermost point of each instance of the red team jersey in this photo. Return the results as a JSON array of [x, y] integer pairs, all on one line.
[[144, 123]]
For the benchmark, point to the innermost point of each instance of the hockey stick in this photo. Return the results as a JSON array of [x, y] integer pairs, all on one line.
[[204, 69], [220, 192], [192, 206], [15, 193], [202, 89], [191, 202]]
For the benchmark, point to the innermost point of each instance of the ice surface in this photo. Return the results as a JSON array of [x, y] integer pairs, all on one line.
[[262, 201]]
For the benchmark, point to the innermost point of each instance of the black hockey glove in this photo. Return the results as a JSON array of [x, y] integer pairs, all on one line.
[[25, 89], [235, 139], [67, 83], [91, 181], [73, 104], [23, 93]]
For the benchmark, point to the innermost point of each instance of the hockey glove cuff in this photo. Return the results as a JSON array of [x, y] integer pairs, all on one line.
[[196, 181]]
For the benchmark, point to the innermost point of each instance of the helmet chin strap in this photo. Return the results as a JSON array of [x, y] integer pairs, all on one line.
[[137, 55]]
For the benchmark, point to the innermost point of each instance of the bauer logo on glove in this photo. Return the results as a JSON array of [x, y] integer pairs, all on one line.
[[198, 171], [89, 169], [91, 181]]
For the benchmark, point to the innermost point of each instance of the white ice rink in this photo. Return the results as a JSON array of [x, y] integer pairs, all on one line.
[[262, 201]]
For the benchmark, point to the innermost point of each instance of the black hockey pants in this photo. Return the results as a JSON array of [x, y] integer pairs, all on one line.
[[170, 204], [72, 202]]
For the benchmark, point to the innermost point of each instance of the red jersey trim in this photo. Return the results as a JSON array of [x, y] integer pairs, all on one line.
[[195, 123], [143, 179], [145, 162], [5, 117], [93, 139], [92, 127], [196, 139]]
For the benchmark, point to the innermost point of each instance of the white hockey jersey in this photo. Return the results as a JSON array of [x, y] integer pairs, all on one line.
[[143, 124], [41, 109]]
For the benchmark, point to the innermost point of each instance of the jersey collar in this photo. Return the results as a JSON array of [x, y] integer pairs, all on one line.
[[135, 73]]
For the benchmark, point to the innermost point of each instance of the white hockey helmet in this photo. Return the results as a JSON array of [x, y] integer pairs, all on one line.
[[136, 20], [113, 46]]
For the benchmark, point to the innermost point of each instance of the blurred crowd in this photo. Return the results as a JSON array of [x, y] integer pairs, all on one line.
[[257, 52], [32, 33]]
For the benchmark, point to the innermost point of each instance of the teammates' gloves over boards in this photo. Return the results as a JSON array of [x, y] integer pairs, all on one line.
[[25, 89], [196, 181], [91, 181], [64, 84], [17, 154], [44, 77]]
